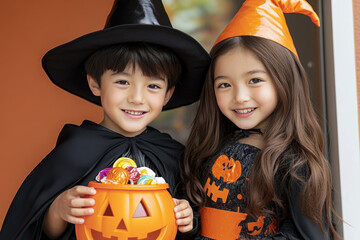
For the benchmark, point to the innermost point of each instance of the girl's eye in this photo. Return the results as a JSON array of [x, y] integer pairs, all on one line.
[[122, 82], [223, 85], [154, 86], [255, 80]]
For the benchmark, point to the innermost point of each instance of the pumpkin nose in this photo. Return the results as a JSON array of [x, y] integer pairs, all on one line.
[[122, 225], [108, 212]]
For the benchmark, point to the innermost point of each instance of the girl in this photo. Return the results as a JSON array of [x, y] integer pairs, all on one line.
[[260, 172]]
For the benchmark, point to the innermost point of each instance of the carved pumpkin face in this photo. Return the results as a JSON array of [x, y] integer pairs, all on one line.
[[131, 212]]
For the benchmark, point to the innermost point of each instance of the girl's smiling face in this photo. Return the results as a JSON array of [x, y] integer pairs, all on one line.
[[244, 90]]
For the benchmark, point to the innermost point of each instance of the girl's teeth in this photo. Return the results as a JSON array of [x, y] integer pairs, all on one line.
[[245, 110]]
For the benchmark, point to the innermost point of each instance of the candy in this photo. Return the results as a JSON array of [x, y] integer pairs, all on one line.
[[118, 175], [102, 175], [146, 180], [146, 171], [124, 162], [133, 174], [160, 180], [106, 181], [124, 171]]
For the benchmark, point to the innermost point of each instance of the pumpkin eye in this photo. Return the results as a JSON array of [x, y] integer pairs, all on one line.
[[108, 211], [141, 210]]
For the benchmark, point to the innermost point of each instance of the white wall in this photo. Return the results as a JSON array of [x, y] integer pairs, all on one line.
[[343, 120]]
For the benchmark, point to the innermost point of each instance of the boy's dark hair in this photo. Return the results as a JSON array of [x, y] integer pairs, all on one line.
[[153, 60]]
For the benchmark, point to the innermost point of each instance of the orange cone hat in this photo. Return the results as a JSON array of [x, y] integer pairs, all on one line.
[[265, 18]]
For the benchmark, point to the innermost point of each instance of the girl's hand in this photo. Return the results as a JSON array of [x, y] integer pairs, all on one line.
[[73, 204], [183, 215]]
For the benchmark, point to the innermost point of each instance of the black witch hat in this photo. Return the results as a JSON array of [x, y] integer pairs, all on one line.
[[130, 21]]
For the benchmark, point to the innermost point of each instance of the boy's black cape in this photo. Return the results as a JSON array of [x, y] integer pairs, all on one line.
[[81, 152]]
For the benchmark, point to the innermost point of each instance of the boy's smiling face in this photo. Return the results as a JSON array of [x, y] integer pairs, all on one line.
[[130, 100]]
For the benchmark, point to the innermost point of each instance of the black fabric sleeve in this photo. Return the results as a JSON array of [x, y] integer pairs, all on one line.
[[306, 227], [298, 225]]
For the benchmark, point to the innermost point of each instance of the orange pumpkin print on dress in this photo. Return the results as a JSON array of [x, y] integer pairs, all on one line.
[[131, 212], [256, 227], [228, 169], [225, 172]]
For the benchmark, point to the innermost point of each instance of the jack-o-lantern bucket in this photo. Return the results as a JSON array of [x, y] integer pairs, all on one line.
[[131, 212]]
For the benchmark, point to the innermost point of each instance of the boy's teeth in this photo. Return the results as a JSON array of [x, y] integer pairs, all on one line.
[[245, 110], [134, 113]]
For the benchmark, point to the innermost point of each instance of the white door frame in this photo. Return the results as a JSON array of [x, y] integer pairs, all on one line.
[[342, 110]]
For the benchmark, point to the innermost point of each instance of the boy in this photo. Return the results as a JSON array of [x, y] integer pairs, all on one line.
[[134, 68]]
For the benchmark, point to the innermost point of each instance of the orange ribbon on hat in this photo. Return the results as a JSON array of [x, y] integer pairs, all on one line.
[[265, 18]]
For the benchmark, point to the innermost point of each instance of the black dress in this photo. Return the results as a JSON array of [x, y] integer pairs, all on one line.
[[223, 218]]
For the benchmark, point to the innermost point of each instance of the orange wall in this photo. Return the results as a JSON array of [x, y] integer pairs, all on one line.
[[33, 110]]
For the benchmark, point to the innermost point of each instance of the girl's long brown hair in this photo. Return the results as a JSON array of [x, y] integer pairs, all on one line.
[[294, 134]]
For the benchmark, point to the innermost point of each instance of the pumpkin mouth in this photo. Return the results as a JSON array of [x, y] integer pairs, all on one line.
[[150, 236]]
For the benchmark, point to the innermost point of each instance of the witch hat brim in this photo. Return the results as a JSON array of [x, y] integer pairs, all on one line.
[[65, 64]]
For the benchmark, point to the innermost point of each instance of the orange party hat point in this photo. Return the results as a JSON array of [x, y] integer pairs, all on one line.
[[265, 18]]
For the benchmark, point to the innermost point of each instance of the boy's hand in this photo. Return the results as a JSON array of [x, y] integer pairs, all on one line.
[[73, 204], [70, 206], [183, 215]]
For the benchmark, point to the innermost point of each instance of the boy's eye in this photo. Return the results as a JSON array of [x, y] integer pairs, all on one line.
[[154, 86], [255, 80], [122, 82], [224, 85]]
